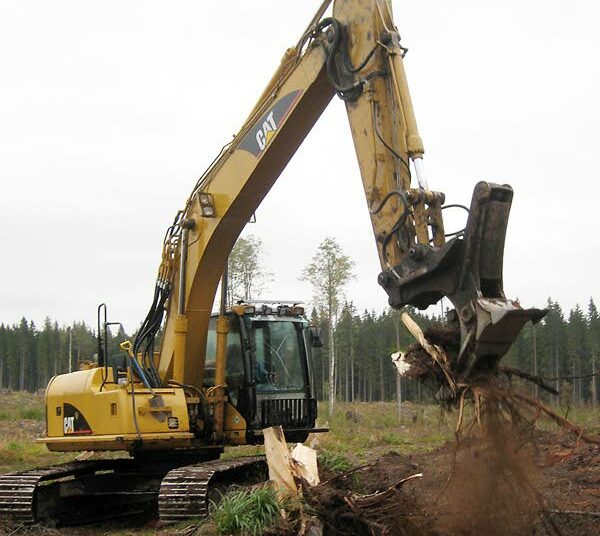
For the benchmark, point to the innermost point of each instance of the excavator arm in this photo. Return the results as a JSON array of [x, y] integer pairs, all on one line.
[[159, 406], [356, 53]]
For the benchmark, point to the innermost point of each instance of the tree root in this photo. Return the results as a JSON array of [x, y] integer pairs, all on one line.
[[502, 420]]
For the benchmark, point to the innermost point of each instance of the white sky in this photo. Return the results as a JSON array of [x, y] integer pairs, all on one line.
[[110, 110]]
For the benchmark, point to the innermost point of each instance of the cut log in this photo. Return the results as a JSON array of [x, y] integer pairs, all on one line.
[[279, 462]]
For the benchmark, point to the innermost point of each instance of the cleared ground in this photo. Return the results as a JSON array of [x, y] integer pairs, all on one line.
[[564, 470]]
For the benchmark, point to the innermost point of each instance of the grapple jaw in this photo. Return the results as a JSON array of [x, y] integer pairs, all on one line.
[[488, 331], [468, 271]]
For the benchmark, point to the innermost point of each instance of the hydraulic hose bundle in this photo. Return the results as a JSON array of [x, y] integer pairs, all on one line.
[[340, 70], [144, 343], [142, 352]]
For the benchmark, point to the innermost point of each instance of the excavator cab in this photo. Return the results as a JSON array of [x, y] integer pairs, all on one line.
[[268, 368]]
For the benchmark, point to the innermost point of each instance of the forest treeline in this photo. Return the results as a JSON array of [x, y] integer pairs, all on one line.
[[30, 356], [564, 346]]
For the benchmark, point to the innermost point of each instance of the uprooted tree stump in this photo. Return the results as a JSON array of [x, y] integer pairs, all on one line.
[[495, 426]]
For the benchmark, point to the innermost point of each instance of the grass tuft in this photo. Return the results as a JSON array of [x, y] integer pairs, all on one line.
[[246, 513], [33, 413], [334, 461]]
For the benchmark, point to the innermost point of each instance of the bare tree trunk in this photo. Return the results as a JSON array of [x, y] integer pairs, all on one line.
[[331, 367], [575, 401], [535, 364], [323, 378], [580, 382], [594, 382], [1, 372], [381, 384], [346, 378], [22, 373], [338, 375], [556, 374], [352, 398], [358, 385], [399, 396], [70, 350], [398, 377]]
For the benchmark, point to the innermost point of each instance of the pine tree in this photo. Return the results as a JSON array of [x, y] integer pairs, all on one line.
[[593, 322], [577, 352], [3, 353]]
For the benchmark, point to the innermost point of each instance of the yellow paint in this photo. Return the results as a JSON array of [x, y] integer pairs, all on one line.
[[109, 411], [238, 182], [235, 426]]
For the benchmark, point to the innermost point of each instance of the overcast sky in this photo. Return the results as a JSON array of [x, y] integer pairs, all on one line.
[[110, 110]]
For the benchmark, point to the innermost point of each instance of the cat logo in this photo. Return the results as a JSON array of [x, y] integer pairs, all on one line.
[[265, 129], [69, 425], [266, 132], [74, 422]]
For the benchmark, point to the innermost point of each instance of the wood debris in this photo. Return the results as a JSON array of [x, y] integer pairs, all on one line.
[[289, 471]]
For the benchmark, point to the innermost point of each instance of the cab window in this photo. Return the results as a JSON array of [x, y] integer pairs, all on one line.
[[278, 356]]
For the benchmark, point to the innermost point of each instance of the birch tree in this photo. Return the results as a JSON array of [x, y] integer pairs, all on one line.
[[328, 272], [247, 275]]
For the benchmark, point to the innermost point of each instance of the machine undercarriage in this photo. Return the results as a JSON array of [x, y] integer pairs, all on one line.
[[89, 491]]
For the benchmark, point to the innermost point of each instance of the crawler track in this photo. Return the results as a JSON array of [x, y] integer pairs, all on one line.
[[95, 490], [19, 491], [185, 492]]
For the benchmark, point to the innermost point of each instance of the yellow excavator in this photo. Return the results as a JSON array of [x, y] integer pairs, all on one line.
[[220, 379]]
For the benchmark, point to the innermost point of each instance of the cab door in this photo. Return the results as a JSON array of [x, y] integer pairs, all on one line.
[[237, 370]]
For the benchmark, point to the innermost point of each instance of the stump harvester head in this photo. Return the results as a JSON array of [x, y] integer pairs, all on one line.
[[468, 271]]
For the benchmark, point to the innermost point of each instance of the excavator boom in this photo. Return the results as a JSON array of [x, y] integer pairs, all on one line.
[[357, 55], [219, 379]]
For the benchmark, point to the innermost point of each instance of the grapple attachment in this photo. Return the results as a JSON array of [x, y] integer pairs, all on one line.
[[468, 271]]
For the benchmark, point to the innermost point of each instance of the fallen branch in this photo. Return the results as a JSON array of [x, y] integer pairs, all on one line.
[[538, 380], [375, 498]]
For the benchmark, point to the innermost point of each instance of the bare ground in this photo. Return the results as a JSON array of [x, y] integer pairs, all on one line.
[[476, 500]]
